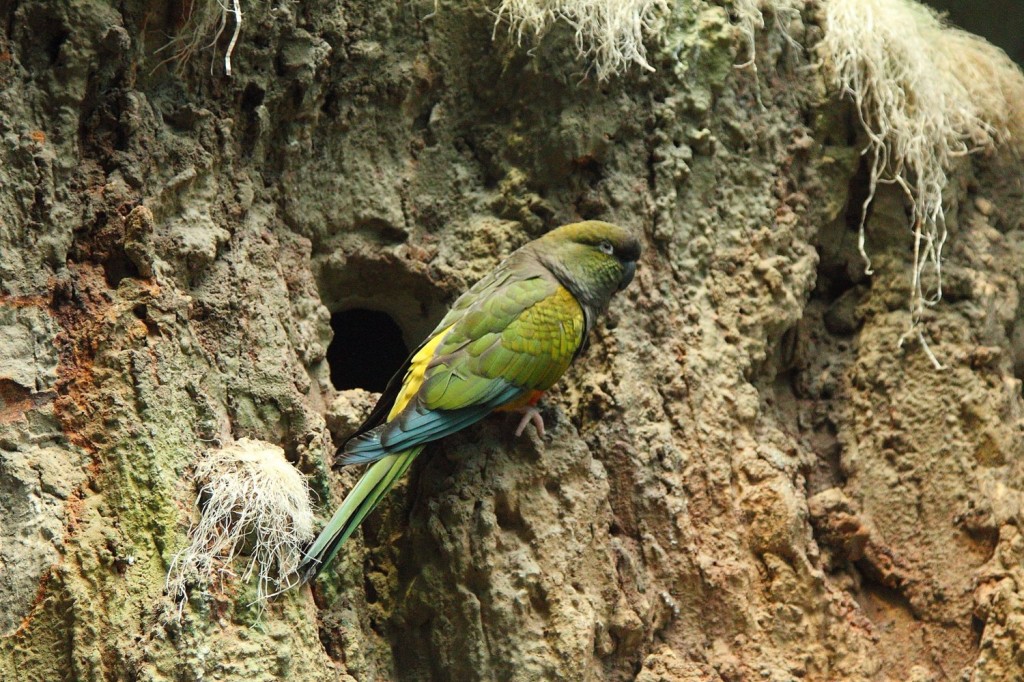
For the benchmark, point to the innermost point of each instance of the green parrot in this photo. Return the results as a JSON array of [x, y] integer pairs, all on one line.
[[504, 342]]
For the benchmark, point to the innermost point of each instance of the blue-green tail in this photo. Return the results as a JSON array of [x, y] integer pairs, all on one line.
[[367, 493]]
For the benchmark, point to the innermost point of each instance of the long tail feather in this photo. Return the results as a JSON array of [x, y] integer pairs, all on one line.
[[367, 493]]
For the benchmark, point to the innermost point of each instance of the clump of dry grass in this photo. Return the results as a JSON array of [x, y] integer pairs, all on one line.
[[610, 33], [927, 95], [254, 502]]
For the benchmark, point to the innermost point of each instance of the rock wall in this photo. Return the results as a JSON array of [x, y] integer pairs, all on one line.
[[744, 478]]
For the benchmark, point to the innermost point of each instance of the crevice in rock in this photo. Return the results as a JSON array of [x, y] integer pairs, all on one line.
[[860, 189], [1016, 336], [883, 604], [509, 517], [977, 630], [813, 356]]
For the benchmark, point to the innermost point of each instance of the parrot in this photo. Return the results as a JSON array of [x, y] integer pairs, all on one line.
[[503, 343]]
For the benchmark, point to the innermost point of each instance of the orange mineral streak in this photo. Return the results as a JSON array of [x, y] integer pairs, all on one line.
[[26, 623], [81, 312], [84, 308], [29, 301]]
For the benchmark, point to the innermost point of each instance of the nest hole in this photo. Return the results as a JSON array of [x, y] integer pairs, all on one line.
[[367, 349]]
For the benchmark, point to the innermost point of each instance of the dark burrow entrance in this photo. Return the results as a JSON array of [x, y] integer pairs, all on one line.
[[367, 349]]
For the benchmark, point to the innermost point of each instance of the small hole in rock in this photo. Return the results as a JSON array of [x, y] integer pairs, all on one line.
[[367, 349], [252, 97], [116, 268]]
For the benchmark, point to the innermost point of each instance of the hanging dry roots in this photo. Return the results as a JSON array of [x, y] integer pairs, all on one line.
[[608, 32], [927, 94], [203, 18]]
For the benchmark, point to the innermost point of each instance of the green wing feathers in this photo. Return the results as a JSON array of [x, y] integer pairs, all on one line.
[[525, 338]]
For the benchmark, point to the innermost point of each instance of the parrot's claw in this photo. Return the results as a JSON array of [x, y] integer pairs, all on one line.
[[531, 414]]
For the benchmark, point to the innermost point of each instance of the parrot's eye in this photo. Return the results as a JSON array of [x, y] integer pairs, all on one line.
[[606, 247]]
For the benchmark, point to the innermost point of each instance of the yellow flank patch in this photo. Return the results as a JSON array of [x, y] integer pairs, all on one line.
[[552, 327], [417, 369]]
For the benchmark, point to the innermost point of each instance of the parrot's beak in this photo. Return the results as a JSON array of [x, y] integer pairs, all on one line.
[[628, 270]]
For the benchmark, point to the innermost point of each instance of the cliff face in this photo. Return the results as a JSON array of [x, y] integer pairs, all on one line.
[[744, 478]]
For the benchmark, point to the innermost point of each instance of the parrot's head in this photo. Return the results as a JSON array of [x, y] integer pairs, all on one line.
[[592, 259]]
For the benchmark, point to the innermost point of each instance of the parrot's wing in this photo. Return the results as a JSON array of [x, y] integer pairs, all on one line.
[[517, 338], [397, 387]]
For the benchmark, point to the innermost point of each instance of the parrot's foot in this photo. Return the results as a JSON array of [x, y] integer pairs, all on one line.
[[531, 414]]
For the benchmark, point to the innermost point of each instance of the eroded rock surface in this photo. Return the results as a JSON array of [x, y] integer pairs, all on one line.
[[744, 478]]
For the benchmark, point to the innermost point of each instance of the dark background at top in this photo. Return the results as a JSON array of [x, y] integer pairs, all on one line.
[[1000, 21]]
